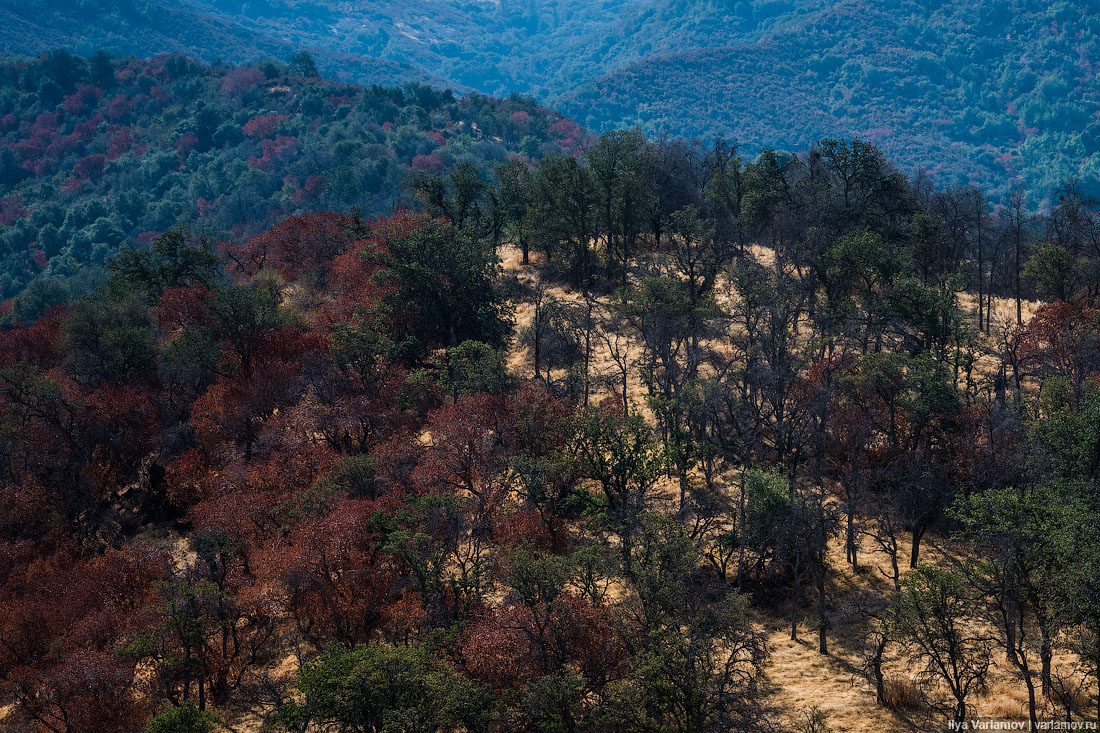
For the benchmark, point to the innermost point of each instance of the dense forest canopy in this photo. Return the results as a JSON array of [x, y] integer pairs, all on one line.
[[100, 153], [980, 92], [579, 436]]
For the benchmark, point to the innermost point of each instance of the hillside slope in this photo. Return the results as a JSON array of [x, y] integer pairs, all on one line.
[[95, 155], [983, 93], [992, 93], [637, 436], [148, 29]]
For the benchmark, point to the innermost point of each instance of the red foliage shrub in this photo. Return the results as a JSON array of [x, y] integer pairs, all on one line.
[[91, 166], [262, 126], [181, 308], [431, 163], [82, 99], [274, 151], [118, 109], [301, 243], [65, 621]]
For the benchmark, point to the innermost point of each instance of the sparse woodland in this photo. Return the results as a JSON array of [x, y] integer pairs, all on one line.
[[635, 437]]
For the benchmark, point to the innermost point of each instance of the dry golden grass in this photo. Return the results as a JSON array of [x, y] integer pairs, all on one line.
[[800, 678], [1004, 701], [901, 693], [1003, 311]]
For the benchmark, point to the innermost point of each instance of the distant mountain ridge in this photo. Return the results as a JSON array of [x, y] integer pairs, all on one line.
[[147, 28], [989, 93]]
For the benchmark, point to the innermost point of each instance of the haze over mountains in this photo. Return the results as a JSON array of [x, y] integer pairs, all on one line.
[[988, 93]]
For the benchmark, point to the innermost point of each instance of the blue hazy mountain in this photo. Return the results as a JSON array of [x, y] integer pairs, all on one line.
[[990, 92]]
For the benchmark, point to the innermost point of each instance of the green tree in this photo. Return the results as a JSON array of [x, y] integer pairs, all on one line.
[[302, 64], [857, 269], [462, 197], [514, 181], [700, 665], [474, 367], [186, 718], [446, 288], [619, 164], [934, 618], [176, 259], [378, 688], [618, 453], [243, 316], [100, 70], [563, 214], [110, 338], [1027, 532], [1049, 267]]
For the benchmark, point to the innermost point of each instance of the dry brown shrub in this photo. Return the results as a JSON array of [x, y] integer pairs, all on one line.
[[901, 693]]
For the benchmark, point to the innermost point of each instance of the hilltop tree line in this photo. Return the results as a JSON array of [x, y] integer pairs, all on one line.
[[310, 448]]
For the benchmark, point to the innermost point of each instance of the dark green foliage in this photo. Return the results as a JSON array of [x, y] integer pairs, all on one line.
[[186, 718], [302, 64], [382, 688], [122, 152], [1049, 267], [699, 667], [774, 525], [563, 215], [243, 315], [621, 456], [110, 338], [447, 288], [474, 367], [172, 262]]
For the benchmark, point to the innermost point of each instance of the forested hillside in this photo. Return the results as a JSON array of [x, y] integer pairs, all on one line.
[[151, 28], [978, 93], [982, 93], [99, 154], [639, 435]]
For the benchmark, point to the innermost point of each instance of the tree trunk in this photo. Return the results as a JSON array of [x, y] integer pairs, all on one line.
[[1046, 654], [795, 600], [741, 510], [914, 555], [537, 348], [1031, 705], [1010, 642], [960, 711], [587, 352], [894, 566], [850, 542], [981, 315], [1019, 311], [822, 619], [876, 670], [1018, 656], [1096, 668]]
